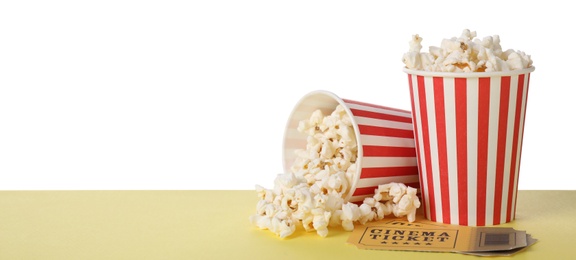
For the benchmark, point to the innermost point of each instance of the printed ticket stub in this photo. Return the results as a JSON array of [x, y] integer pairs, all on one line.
[[425, 235]]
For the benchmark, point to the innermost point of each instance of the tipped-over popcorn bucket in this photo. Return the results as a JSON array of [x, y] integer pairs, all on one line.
[[468, 130], [384, 137]]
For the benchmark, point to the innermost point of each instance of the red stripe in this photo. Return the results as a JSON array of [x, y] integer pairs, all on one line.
[[442, 152], [390, 151], [388, 172], [376, 115], [501, 146], [373, 105], [364, 191], [483, 119], [417, 142], [426, 142], [522, 134], [385, 131], [515, 136], [462, 149]]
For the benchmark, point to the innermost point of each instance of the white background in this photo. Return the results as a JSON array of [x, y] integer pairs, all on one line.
[[196, 94]]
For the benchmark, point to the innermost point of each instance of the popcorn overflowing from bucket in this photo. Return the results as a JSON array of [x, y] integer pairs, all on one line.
[[469, 101], [465, 54], [313, 192]]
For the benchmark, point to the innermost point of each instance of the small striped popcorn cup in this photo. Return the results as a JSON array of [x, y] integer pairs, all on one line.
[[384, 136], [468, 130]]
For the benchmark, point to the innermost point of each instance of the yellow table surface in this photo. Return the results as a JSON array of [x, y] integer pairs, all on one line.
[[214, 225]]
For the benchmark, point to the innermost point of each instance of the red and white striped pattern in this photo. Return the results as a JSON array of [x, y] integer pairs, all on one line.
[[469, 140], [387, 153], [384, 135]]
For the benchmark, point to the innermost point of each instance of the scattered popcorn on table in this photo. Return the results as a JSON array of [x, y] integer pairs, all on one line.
[[313, 193], [465, 54]]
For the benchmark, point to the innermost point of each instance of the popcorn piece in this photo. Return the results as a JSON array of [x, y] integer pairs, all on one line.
[[334, 202], [282, 225], [273, 219], [465, 54], [371, 210], [380, 209], [336, 218], [397, 190], [284, 182], [311, 126], [518, 60], [338, 183], [261, 221], [320, 221], [407, 205], [264, 194], [308, 223], [304, 202], [350, 213], [288, 201], [414, 58], [387, 207], [383, 192]]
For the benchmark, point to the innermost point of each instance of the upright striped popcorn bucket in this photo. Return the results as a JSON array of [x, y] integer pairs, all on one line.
[[468, 130], [384, 135]]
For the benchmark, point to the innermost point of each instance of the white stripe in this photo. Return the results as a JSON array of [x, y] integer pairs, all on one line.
[[379, 110], [472, 146], [508, 152], [428, 81], [421, 159], [450, 115], [375, 162], [492, 148], [519, 147], [387, 141], [382, 123], [369, 182]]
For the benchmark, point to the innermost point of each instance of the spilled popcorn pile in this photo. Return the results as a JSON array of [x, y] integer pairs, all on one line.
[[313, 193], [465, 54]]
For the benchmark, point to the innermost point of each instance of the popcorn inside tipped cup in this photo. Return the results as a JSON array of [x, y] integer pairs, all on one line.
[[312, 193], [465, 54]]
